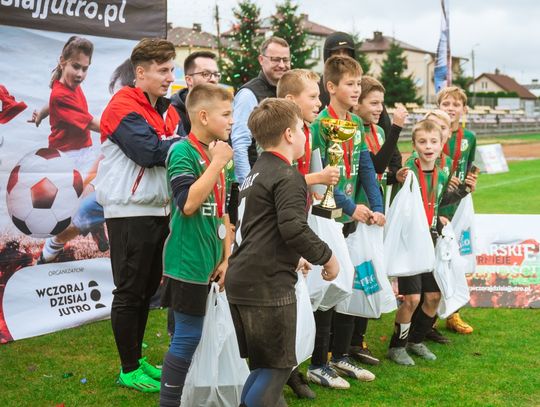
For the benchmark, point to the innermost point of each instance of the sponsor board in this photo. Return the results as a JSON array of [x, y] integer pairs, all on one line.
[[50, 297]]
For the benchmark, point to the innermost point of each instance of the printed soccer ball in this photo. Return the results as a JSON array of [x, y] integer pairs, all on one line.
[[43, 193]]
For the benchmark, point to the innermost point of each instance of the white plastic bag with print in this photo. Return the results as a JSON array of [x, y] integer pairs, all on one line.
[[408, 248], [372, 293], [449, 275], [217, 373], [326, 294], [463, 224], [305, 322]]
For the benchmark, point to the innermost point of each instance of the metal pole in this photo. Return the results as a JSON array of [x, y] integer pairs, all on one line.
[[474, 80]]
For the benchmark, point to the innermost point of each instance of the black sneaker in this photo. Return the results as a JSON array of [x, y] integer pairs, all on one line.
[[298, 384], [435, 336], [100, 237], [363, 355]]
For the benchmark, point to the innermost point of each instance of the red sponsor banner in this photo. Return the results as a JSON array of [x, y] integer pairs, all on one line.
[[508, 262]]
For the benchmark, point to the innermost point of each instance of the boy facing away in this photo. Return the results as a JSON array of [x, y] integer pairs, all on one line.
[[301, 87], [272, 236]]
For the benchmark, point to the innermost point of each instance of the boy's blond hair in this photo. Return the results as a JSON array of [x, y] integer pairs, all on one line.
[[293, 82], [271, 118], [440, 114], [370, 84], [455, 92], [202, 96], [337, 66], [427, 126]]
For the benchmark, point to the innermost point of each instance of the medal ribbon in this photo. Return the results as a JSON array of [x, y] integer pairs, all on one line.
[[373, 141], [457, 149], [429, 201], [373, 144], [347, 145], [219, 190], [304, 161]]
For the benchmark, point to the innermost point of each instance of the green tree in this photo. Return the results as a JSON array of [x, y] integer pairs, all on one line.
[[287, 24], [360, 56], [461, 80], [240, 63], [399, 88]]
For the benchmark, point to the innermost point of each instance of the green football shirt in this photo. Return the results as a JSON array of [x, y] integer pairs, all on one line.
[[194, 247]]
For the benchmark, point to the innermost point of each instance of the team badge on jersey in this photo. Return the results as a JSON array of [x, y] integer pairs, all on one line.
[[464, 144], [348, 189], [357, 137]]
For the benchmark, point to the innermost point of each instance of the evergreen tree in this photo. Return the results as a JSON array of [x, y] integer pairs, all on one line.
[[240, 63], [288, 25], [399, 88], [459, 79], [362, 58]]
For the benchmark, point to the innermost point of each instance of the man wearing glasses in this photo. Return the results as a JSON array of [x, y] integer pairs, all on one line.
[[275, 60], [199, 67]]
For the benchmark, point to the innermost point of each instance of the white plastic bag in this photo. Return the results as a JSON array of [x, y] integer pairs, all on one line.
[[372, 293], [449, 275], [408, 248], [217, 373], [305, 322], [326, 294], [463, 224]]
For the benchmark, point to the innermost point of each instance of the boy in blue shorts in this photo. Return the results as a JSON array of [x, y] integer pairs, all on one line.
[[197, 170]]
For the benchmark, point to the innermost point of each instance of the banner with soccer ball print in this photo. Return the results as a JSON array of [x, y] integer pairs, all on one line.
[[46, 191]]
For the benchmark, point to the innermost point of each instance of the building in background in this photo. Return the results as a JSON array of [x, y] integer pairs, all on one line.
[[420, 62]]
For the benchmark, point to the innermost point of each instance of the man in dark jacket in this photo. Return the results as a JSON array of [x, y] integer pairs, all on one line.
[[199, 67], [275, 60]]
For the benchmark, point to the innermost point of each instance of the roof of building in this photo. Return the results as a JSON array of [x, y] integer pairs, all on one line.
[[311, 27], [194, 37], [382, 43], [508, 84]]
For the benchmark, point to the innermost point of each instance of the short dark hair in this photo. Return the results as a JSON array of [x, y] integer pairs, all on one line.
[[150, 50], [189, 63], [271, 118], [369, 84]]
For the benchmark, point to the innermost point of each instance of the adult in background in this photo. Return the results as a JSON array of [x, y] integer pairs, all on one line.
[[275, 60], [199, 67], [340, 43], [137, 128]]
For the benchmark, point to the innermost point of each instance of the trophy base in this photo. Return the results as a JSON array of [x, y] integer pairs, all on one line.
[[328, 213]]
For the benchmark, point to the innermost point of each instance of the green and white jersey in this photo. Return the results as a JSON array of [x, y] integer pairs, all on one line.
[[465, 160], [194, 247], [443, 163], [347, 185], [442, 184]]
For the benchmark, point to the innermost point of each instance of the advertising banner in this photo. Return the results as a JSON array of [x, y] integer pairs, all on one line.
[[508, 262], [54, 252]]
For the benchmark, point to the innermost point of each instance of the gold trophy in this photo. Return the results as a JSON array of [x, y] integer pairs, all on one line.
[[337, 131]]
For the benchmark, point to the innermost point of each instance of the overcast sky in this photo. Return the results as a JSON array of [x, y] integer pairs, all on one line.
[[504, 34]]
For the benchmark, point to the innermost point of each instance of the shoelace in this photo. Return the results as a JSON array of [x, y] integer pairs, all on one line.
[[328, 371]]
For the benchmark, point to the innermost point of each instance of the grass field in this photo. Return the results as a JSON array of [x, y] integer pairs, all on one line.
[[516, 191], [499, 365], [405, 146]]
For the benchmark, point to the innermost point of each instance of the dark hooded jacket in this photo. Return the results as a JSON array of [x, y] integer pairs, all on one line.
[[178, 100]]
